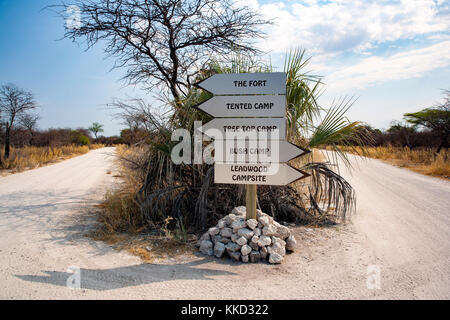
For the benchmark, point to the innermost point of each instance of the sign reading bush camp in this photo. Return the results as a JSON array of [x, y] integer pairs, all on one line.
[[250, 129]]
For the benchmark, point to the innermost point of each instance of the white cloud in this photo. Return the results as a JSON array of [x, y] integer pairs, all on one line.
[[404, 65], [343, 25]]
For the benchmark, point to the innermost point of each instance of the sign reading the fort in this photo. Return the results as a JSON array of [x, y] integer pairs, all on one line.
[[245, 83]]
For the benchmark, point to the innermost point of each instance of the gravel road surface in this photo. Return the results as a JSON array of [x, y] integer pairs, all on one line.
[[398, 246]]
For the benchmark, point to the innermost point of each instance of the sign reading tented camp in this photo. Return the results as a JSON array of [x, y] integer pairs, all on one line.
[[245, 106], [250, 129]]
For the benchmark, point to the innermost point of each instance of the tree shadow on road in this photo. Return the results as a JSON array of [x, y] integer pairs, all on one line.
[[129, 276]]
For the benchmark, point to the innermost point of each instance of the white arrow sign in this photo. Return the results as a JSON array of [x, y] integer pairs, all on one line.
[[245, 83], [246, 128], [245, 106], [276, 174], [253, 151]]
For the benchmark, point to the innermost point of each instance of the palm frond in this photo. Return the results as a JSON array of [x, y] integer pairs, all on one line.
[[331, 196]]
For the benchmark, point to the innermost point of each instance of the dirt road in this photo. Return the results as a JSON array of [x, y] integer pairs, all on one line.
[[397, 247]]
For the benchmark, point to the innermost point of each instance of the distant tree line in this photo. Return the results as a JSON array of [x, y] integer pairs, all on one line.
[[19, 125], [429, 128]]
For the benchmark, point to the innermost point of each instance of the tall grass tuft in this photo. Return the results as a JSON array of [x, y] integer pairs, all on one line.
[[119, 211]]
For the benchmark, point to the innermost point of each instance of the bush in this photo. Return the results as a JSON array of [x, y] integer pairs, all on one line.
[[79, 138]]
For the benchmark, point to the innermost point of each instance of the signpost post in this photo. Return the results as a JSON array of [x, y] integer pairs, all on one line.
[[250, 106]]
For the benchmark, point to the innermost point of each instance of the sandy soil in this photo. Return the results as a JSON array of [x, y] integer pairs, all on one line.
[[401, 229]]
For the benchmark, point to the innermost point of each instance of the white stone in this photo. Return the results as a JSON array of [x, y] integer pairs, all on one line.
[[219, 249], [244, 259], [213, 231], [257, 232], [232, 247], [255, 256], [264, 253], [222, 224], [230, 218], [264, 241], [291, 243], [255, 239], [244, 232], [278, 240], [275, 258], [206, 247], [238, 224], [254, 246], [217, 239], [239, 211], [282, 232], [235, 255], [226, 232], [252, 223], [205, 236], [278, 248], [234, 237], [270, 230], [259, 213], [241, 241], [245, 250], [264, 220]]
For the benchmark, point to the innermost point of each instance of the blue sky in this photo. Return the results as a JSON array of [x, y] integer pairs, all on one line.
[[393, 55]]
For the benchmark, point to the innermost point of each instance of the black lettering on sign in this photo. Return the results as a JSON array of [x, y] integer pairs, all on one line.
[[248, 178]]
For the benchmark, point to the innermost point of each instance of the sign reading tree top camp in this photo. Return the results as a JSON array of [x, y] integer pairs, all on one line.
[[250, 129]]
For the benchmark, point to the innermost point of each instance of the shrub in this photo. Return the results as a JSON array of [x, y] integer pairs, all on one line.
[[79, 138]]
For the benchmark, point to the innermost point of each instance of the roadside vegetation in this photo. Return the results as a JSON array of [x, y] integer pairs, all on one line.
[[420, 143], [30, 157], [422, 160], [24, 146]]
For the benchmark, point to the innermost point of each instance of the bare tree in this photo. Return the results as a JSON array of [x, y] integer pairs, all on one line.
[[14, 102], [164, 42], [29, 122]]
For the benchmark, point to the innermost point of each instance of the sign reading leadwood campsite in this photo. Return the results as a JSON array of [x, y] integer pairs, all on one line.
[[249, 129]]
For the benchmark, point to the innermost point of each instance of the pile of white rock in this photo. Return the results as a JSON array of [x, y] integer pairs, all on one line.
[[248, 240]]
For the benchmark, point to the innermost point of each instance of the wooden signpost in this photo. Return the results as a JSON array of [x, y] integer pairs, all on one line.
[[250, 107]]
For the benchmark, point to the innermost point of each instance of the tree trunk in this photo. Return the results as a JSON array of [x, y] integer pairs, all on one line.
[[444, 144], [7, 142]]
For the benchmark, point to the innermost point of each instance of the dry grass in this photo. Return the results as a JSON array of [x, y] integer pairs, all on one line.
[[21, 159], [149, 247], [119, 210], [120, 219], [424, 160]]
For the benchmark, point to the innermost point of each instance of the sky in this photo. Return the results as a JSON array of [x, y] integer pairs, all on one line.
[[393, 56]]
